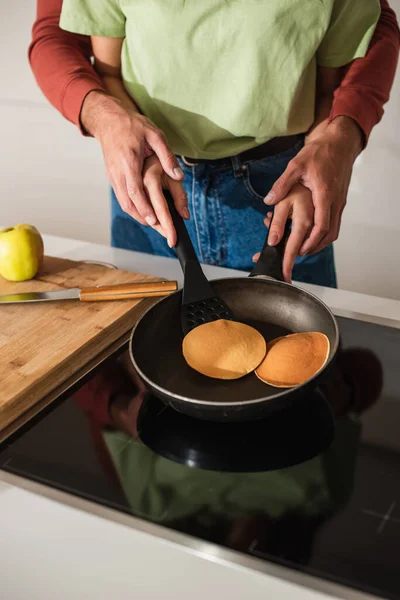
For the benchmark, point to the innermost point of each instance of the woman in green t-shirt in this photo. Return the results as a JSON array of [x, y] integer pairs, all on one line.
[[235, 86]]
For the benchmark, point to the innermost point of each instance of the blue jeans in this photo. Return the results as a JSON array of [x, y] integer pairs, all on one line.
[[227, 213]]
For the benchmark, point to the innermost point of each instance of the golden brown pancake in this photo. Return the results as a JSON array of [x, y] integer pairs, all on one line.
[[293, 359], [224, 349]]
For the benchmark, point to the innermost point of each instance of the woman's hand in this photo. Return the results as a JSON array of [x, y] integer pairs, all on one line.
[[298, 206], [154, 181], [324, 165]]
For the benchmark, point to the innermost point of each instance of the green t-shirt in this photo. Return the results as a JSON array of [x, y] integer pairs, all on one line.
[[220, 77]]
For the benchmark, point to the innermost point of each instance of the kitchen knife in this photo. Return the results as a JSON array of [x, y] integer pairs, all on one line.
[[123, 291]]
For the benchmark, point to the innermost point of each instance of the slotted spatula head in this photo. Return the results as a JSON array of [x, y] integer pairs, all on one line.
[[204, 311], [199, 303]]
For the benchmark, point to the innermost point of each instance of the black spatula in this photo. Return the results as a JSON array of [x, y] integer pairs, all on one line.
[[199, 303]]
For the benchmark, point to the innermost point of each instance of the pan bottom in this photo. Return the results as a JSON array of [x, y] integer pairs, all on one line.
[[270, 331], [280, 440]]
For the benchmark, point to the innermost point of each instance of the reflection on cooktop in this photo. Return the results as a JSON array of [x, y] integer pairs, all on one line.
[[315, 487], [284, 439]]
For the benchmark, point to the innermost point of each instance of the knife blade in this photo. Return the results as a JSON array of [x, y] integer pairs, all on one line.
[[122, 291]]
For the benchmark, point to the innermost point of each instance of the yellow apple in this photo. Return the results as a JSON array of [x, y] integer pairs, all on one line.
[[21, 252]]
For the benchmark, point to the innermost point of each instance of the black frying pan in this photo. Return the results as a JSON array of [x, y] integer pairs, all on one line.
[[262, 300]]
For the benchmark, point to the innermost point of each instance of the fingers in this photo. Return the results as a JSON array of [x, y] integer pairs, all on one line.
[[322, 218], [302, 221], [167, 229], [278, 223], [124, 200], [154, 180], [125, 177], [333, 234], [267, 222], [154, 190], [157, 141], [137, 195], [284, 184], [180, 198], [319, 230], [126, 146], [133, 183]]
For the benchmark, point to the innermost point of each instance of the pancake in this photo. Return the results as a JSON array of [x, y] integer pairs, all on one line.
[[293, 359], [224, 349]]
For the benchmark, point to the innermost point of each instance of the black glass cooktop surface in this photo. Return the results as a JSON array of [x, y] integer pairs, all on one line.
[[315, 487]]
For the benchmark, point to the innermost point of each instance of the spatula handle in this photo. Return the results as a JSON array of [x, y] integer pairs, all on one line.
[[128, 291], [196, 286], [271, 258], [184, 247]]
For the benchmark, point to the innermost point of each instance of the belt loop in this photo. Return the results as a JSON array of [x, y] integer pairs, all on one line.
[[237, 166]]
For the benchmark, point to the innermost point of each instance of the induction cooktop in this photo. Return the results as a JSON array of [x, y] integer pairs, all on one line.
[[315, 488]]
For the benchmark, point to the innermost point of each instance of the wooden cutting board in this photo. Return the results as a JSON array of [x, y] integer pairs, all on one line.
[[44, 344]]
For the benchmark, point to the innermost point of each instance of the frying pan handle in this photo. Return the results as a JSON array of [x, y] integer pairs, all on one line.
[[271, 258], [196, 286]]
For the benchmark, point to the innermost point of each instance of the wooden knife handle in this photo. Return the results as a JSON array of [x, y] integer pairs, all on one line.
[[128, 291]]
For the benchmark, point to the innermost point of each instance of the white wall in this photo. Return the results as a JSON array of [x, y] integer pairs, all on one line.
[[52, 177]]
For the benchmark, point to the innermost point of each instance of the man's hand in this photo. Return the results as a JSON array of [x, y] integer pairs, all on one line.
[[298, 206], [324, 166], [127, 138]]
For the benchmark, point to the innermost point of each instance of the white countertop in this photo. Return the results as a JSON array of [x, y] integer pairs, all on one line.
[[57, 547], [342, 302]]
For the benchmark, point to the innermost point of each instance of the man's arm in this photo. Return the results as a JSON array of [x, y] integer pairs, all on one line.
[[61, 62], [127, 175], [367, 82]]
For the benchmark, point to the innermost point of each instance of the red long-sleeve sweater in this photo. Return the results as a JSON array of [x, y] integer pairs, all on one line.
[[61, 63], [94, 400]]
